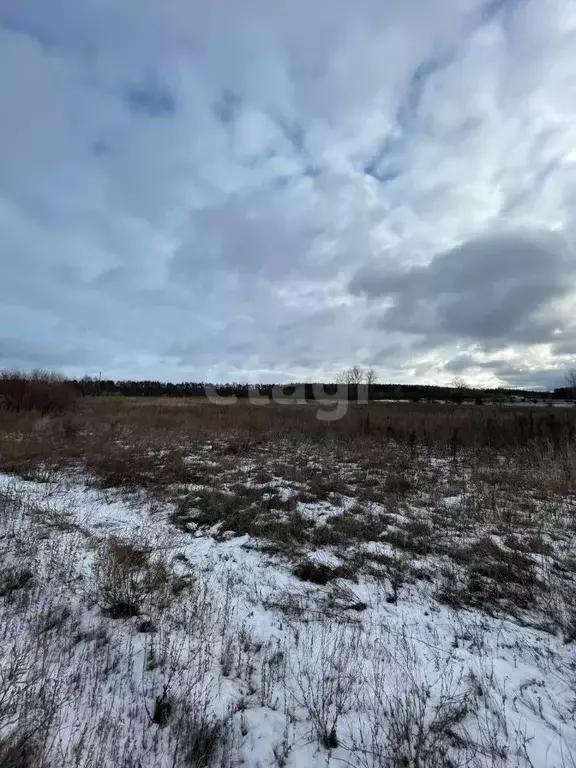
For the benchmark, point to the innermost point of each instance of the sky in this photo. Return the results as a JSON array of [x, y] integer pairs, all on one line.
[[274, 191]]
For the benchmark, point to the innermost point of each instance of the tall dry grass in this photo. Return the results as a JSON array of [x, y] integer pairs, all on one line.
[[146, 443], [426, 423]]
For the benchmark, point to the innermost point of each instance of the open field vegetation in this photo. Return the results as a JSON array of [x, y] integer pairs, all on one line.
[[187, 584]]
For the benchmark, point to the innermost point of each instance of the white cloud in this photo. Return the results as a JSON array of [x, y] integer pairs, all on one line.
[[187, 190]]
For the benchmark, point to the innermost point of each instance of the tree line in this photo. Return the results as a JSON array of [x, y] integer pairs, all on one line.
[[46, 391], [355, 383]]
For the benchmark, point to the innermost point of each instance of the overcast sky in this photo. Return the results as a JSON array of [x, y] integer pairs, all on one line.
[[257, 190]]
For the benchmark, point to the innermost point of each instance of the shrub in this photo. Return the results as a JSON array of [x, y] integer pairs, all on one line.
[[20, 752], [398, 484], [202, 736], [40, 391], [324, 676], [125, 579], [14, 578], [319, 573]]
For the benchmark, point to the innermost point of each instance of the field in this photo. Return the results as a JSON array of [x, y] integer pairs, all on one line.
[[187, 584]]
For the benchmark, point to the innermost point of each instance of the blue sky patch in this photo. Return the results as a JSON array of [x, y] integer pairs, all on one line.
[[227, 107], [100, 148], [151, 98]]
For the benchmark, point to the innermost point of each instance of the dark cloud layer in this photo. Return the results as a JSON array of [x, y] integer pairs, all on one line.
[[496, 288]]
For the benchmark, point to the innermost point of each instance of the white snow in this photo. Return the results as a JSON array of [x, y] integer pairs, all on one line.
[[251, 640]]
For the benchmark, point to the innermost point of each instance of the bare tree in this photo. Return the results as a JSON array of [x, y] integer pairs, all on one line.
[[357, 375], [570, 379], [459, 383], [371, 377], [461, 387], [358, 381]]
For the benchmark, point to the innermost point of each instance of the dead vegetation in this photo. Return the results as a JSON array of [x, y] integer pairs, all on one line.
[[129, 581], [469, 510], [41, 392], [488, 492]]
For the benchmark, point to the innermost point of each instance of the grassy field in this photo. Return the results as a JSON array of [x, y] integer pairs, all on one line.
[[187, 584]]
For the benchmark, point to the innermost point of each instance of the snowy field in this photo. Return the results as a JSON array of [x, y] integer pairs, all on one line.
[[290, 607]]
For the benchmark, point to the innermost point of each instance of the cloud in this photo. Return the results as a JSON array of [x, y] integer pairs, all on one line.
[[16, 353], [264, 190], [541, 373], [150, 98], [508, 298], [498, 287]]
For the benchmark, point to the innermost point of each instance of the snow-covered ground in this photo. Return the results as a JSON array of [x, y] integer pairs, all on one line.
[[228, 658]]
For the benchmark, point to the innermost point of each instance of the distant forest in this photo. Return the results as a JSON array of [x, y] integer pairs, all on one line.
[[90, 386]]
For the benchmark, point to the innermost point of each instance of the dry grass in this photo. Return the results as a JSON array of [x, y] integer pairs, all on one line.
[[128, 442], [393, 508], [489, 491], [128, 580]]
